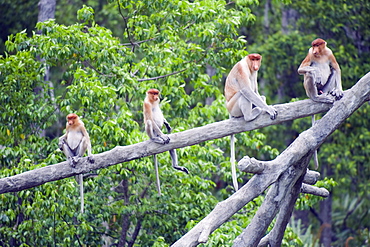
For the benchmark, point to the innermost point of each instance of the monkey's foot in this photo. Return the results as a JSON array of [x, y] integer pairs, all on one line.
[[323, 99], [91, 159], [181, 168], [73, 161], [161, 139], [256, 111], [272, 112], [337, 94]]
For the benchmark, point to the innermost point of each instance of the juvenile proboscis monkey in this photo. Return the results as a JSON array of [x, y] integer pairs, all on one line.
[[243, 98], [74, 143], [322, 77], [154, 121]]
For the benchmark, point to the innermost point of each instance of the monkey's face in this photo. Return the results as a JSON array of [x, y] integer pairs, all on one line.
[[254, 64], [254, 61], [154, 96], [71, 119], [317, 49]]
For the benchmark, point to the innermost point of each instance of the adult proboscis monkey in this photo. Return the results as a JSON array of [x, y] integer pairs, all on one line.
[[154, 121], [322, 77], [243, 98], [74, 143]]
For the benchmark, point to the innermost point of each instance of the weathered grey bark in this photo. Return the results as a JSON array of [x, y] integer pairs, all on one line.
[[283, 172], [275, 236], [121, 154]]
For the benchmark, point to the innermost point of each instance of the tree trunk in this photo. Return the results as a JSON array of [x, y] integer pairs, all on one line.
[[288, 19], [325, 213], [46, 10]]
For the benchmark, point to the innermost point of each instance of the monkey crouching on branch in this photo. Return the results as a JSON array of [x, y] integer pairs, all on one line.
[[243, 98], [322, 77], [74, 143], [154, 121]]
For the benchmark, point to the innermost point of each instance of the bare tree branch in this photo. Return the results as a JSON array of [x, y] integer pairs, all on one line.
[[309, 189], [121, 154], [162, 76]]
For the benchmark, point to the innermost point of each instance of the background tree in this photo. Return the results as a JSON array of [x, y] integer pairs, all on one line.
[[167, 45]]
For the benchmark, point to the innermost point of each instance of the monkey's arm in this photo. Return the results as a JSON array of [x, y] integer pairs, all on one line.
[[258, 101], [62, 140], [63, 145], [148, 115], [86, 144], [151, 128], [86, 140], [336, 67], [305, 65]]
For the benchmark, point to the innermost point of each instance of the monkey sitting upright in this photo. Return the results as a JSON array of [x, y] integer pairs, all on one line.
[[243, 98], [154, 121], [74, 143], [322, 77]]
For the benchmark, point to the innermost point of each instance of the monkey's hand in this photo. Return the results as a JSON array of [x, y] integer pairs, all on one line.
[[318, 80], [60, 144], [338, 94], [163, 139], [306, 69], [272, 112], [72, 161], [91, 159]]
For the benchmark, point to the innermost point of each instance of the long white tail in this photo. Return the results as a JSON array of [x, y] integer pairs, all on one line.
[[232, 161], [80, 178], [315, 159], [158, 183]]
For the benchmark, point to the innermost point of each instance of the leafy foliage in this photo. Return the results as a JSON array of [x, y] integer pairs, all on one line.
[[166, 45]]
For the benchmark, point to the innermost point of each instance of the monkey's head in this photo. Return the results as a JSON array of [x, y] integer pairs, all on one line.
[[153, 94], [318, 45], [254, 61], [72, 118]]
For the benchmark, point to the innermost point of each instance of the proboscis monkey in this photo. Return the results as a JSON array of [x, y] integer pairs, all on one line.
[[322, 77], [243, 98], [74, 143], [154, 121]]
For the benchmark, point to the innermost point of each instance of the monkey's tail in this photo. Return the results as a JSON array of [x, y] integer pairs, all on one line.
[[81, 182], [232, 161], [158, 183], [315, 159]]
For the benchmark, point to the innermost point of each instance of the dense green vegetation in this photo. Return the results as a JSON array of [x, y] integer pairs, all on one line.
[[102, 58]]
